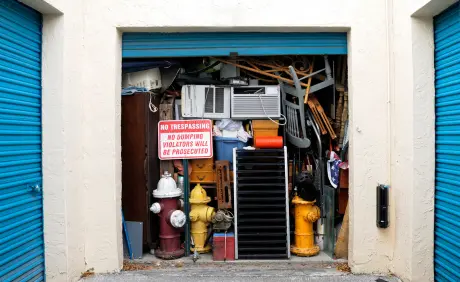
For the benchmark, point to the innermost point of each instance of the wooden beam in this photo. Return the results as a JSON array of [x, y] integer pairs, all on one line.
[[259, 71]]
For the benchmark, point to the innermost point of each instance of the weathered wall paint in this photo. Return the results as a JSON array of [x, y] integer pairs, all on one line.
[[391, 120]]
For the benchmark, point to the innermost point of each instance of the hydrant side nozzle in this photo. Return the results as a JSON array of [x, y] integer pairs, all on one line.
[[314, 214], [210, 213], [194, 216], [177, 219], [156, 208]]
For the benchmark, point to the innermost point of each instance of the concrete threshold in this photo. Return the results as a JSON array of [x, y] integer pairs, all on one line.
[[321, 268], [321, 260]]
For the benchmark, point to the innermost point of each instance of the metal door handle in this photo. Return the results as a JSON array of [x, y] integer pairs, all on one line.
[[36, 188]]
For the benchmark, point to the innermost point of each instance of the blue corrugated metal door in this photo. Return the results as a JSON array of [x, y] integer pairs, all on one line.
[[144, 44], [21, 216], [447, 197]]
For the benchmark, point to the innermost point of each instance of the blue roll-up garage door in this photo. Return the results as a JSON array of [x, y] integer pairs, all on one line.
[[142, 45], [447, 198], [21, 216]]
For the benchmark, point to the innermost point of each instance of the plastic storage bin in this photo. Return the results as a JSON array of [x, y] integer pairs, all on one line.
[[223, 246], [224, 148]]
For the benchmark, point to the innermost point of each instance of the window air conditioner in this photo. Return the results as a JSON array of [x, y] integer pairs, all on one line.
[[260, 102], [205, 101], [150, 79]]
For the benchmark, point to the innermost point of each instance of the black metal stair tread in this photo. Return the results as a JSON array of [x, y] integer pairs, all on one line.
[[243, 158], [251, 242], [272, 185], [260, 150], [253, 206], [260, 164], [274, 191], [241, 178], [251, 228], [261, 187], [262, 256], [242, 213], [261, 248], [258, 234], [255, 192], [260, 220], [262, 224], [261, 227], [261, 184], [245, 214], [253, 197], [255, 171]]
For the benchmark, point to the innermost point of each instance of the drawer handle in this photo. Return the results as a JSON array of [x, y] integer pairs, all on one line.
[[200, 165], [201, 177]]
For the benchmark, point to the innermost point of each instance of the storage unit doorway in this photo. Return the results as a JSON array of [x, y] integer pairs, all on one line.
[[252, 53]]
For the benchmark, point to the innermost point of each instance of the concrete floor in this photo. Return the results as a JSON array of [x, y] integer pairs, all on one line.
[[228, 273], [207, 258], [319, 268]]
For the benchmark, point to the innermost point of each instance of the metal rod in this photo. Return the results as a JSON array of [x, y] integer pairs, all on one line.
[[312, 74], [320, 163], [186, 207]]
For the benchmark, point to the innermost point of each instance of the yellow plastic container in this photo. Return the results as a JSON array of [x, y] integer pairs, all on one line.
[[264, 128]]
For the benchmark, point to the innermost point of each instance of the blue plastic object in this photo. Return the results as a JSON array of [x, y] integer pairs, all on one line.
[[224, 148], [447, 181], [128, 241], [22, 254], [196, 44]]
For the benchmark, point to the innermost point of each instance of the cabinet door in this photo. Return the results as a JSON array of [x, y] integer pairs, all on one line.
[[153, 166], [135, 193]]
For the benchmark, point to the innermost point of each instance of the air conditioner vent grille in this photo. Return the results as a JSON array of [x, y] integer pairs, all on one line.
[[209, 96], [254, 106], [219, 98], [205, 101]]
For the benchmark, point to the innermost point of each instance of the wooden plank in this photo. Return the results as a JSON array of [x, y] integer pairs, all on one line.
[[307, 90], [259, 72], [341, 246]]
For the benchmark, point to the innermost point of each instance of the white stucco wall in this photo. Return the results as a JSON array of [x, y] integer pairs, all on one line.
[[391, 120]]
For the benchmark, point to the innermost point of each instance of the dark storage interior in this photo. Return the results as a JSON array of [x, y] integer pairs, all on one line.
[[260, 97]]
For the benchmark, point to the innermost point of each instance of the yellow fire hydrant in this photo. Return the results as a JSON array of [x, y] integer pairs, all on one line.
[[200, 215], [305, 213]]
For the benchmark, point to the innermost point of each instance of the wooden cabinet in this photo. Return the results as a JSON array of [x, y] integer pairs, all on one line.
[[202, 171], [140, 163]]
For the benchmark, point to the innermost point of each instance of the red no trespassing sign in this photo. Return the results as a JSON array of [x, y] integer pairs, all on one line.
[[185, 139]]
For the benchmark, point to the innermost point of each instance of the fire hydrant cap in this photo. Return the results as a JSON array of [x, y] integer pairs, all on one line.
[[199, 195], [155, 208], [167, 187], [177, 219]]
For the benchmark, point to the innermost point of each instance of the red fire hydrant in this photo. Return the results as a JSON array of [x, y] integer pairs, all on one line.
[[172, 219]]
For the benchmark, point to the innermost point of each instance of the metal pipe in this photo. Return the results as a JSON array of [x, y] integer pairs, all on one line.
[[320, 161], [186, 207]]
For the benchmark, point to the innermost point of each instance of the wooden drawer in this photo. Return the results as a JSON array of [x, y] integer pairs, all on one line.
[[202, 177], [202, 164]]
